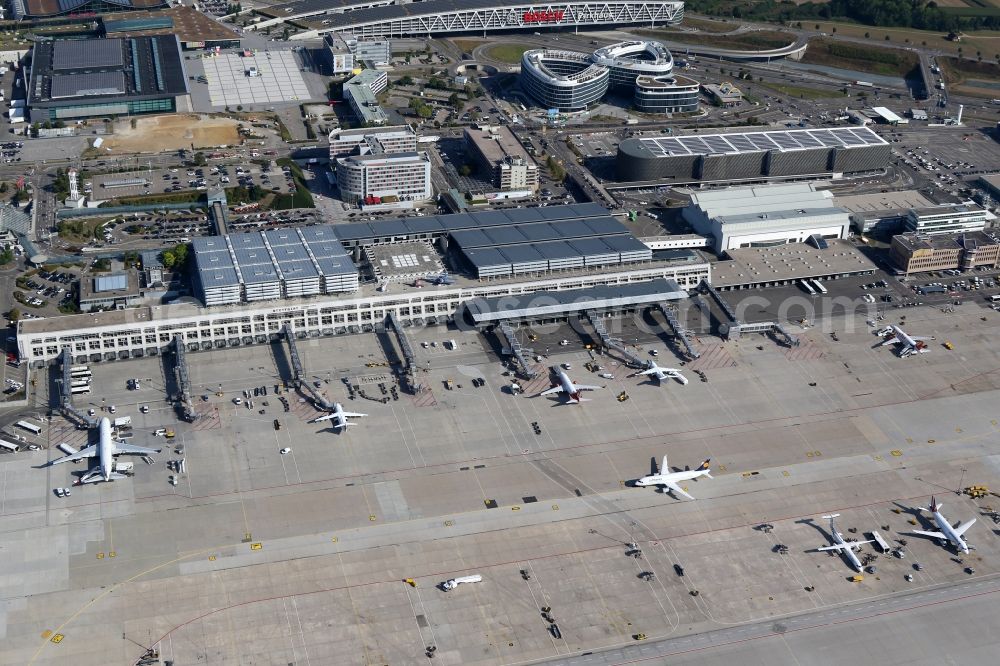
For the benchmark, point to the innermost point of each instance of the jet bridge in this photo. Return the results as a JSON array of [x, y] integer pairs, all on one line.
[[66, 391], [597, 322], [516, 349], [298, 373], [679, 331], [409, 358], [183, 380]]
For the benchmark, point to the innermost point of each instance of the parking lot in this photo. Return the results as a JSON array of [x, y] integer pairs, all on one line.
[[277, 79], [107, 186]]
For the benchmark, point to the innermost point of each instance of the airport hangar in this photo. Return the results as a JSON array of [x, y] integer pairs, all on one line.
[[558, 248], [752, 156], [394, 18]]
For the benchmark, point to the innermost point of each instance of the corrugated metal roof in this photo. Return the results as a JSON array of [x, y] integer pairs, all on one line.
[[87, 85]]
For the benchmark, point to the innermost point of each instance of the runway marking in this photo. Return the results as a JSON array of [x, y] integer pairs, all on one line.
[[208, 419], [424, 398], [713, 357], [807, 351]]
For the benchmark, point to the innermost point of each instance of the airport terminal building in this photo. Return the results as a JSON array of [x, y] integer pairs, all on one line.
[[752, 156], [149, 330]]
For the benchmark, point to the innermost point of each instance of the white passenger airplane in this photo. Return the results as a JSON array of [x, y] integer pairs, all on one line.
[[670, 480], [947, 533], [339, 416], [846, 548], [105, 451], [571, 390], [908, 344], [661, 373]]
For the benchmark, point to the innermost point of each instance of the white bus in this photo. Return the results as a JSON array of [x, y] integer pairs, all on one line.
[[77, 368], [81, 374], [30, 427], [994, 298], [805, 285], [10, 446], [76, 383], [819, 286], [78, 390]]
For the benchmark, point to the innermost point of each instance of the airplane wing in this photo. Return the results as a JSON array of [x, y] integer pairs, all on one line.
[[89, 452], [933, 535], [842, 546], [894, 340], [918, 339], [325, 417], [554, 389], [585, 387], [355, 414], [676, 489], [963, 528], [129, 448]]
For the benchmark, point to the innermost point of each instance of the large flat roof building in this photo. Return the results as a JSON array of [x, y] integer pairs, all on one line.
[[501, 155], [104, 77], [766, 215], [29, 9], [270, 265], [915, 253], [750, 156], [361, 92], [948, 219]]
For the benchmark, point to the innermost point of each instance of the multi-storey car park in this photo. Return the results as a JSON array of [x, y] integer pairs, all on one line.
[[752, 156], [570, 81], [558, 248], [395, 18]]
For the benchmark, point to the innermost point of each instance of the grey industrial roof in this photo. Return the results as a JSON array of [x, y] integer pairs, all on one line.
[[363, 232], [548, 303], [88, 85], [750, 142], [86, 54]]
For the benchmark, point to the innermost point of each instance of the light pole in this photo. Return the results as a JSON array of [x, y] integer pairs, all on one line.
[[961, 481]]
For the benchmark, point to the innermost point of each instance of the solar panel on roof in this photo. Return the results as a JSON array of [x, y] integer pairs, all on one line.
[[86, 53]]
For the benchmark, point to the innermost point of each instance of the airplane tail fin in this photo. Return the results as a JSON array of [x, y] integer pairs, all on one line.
[[704, 466], [831, 516], [935, 507]]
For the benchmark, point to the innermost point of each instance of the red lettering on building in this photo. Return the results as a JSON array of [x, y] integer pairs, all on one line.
[[543, 17]]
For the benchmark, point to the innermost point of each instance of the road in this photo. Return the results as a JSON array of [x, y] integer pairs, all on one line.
[[723, 644]]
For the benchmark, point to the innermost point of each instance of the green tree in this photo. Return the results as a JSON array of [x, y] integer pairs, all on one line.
[[6, 256], [464, 170], [180, 254], [199, 159], [403, 81], [455, 100], [14, 315], [169, 259]]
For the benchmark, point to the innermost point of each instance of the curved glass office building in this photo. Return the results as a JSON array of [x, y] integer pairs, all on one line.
[[564, 80], [570, 81]]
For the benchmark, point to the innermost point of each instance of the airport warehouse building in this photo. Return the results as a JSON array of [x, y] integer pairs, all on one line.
[[81, 78], [752, 156], [766, 215], [148, 331]]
